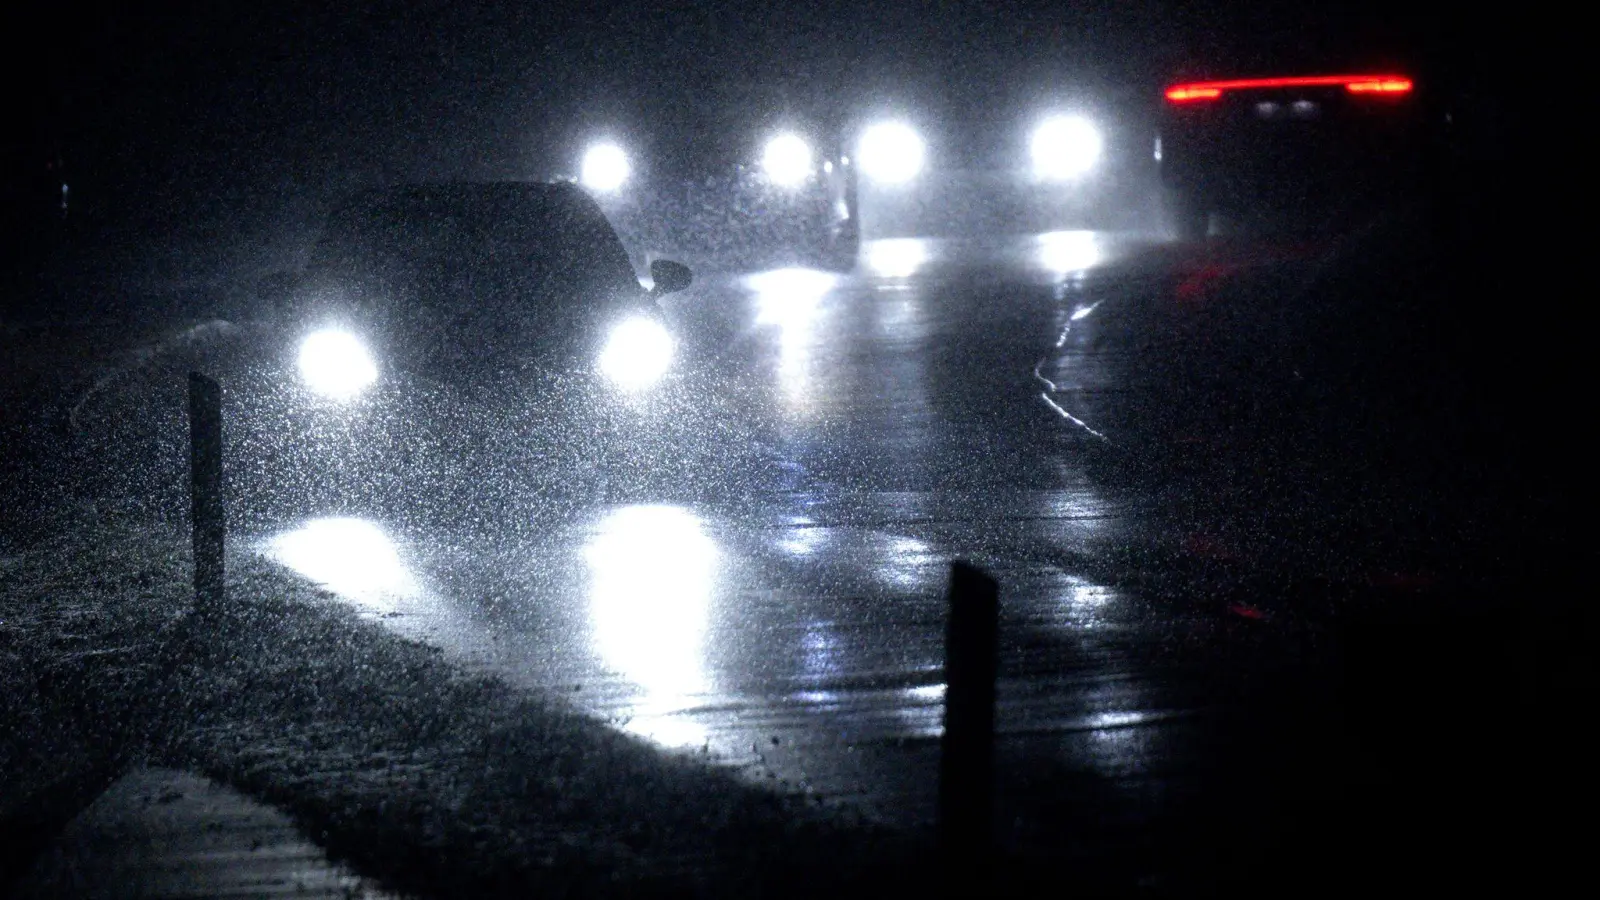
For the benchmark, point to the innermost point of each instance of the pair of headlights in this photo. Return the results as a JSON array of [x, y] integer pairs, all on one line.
[[1060, 149], [336, 364], [786, 160]]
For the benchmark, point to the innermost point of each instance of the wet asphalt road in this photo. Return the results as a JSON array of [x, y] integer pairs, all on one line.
[[796, 633], [1179, 701]]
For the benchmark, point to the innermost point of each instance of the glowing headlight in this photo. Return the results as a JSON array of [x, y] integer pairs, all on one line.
[[891, 152], [1064, 147], [336, 365], [637, 353], [605, 167], [787, 160]]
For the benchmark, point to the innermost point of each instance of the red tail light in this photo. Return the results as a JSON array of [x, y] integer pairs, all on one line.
[[1385, 85], [1389, 85]]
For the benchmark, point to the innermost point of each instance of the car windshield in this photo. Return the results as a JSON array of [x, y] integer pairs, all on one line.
[[504, 233], [741, 448]]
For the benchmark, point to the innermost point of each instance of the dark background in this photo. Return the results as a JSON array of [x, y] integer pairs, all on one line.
[[200, 137]]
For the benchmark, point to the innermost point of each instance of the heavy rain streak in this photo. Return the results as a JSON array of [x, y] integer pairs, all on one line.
[[864, 448]]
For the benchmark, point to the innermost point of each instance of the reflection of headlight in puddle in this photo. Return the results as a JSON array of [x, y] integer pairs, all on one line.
[[354, 558], [791, 299], [653, 573], [789, 296], [637, 353], [336, 364], [1063, 252], [896, 257]]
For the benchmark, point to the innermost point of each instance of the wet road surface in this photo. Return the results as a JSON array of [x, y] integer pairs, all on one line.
[[1176, 702], [796, 634]]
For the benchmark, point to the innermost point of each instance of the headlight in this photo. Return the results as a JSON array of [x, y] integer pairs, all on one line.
[[605, 167], [787, 160], [891, 152], [1064, 147], [637, 353], [336, 365]]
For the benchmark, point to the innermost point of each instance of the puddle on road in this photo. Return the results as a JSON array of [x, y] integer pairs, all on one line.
[[351, 557], [652, 579], [737, 638], [640, 617]]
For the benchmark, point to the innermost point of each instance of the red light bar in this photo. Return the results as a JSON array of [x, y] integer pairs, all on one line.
[[1355, 84], [1385, 85]]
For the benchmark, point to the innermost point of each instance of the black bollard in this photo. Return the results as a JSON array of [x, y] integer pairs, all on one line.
[[966, 760], [205, 489]]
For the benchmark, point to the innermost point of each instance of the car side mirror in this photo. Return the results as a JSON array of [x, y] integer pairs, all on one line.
[[670, 277]]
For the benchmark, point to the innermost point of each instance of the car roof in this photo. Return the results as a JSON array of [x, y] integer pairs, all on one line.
[[557, 220]]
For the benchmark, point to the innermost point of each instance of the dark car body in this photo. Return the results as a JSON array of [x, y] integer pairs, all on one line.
[[1323, 147], [468, 275], [35, 203], [1331, 396], [483, 308]]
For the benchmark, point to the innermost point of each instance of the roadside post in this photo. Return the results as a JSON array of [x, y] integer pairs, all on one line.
[[966, 753], [205, 490]]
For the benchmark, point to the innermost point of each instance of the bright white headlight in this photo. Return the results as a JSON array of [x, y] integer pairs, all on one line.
[[1064, 147], [336, 365], [636, 353], [892, 152], [787, 159], [605, 167]]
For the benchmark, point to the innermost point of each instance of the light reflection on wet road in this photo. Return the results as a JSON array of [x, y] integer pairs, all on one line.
[[798, 636]]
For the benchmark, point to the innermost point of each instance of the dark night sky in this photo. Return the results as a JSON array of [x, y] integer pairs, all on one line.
[[177, 106]]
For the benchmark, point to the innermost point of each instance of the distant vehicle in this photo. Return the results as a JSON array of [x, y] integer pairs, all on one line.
[[1336, 384], [743, 179], [464, 279], [1318, 146], [960, 165]]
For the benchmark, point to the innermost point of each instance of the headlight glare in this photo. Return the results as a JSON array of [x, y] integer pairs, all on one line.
[[605, 167], [787, 160], [892, 152], [637, 353], [1064, 147], [336, 364]]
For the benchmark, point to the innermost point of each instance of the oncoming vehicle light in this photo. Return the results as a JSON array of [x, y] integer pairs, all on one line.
[[787, 159], [336, 364], [1064, 147], [637, 353], [892, 152], [605, 167]]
